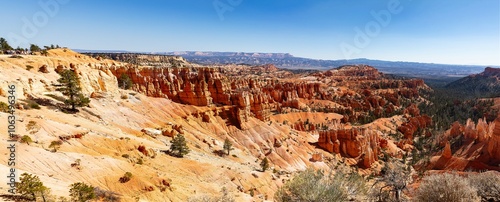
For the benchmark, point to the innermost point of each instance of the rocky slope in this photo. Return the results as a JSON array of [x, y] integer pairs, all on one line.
[[295, 120]]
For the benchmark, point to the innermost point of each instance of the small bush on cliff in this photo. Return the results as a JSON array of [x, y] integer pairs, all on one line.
[[26, 139], [30, 104], [81, 192], [179, 147], [55, 145], [32, 127], [44, 52], [227, 145], [126, 177], [445, 188], [264, 164], [30, 187], [311, 185], [4, 107], [125, 82], [69, 85]]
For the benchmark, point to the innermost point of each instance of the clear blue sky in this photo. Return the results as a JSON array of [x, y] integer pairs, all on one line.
[[444, 31]]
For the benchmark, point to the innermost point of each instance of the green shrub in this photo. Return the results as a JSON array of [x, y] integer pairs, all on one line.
[[179, 146], [126, 156], [4, 107], [34, 105], [264, 164], [125, 82], [31, 104], [30, 187], [55, 145], [29, 67], [26, 139], [81, 192]]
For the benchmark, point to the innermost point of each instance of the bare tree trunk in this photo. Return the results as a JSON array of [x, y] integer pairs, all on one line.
[[398, 195], [72, 102]]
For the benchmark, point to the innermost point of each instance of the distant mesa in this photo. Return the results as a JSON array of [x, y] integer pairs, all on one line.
[[490, 71]]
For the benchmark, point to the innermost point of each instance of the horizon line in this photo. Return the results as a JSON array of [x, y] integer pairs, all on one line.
[[165, 53]]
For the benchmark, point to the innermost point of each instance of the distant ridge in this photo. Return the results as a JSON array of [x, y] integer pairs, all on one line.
[[484, 84], [101, 51], [286, 60], [229, 54]]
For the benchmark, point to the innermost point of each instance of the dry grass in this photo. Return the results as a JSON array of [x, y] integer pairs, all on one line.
[[446, 188], [311, 185], [487, 185]]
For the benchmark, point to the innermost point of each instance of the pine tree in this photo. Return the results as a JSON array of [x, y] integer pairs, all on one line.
[[125, 82], [34, 48], [227, 145], [30, 186], [179, 147], [4, 45], [44, 52], [81, 192], [264, 164], [55, 145], [70, 86]]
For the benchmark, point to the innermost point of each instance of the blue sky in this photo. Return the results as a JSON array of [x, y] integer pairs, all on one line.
[[444, 31]]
